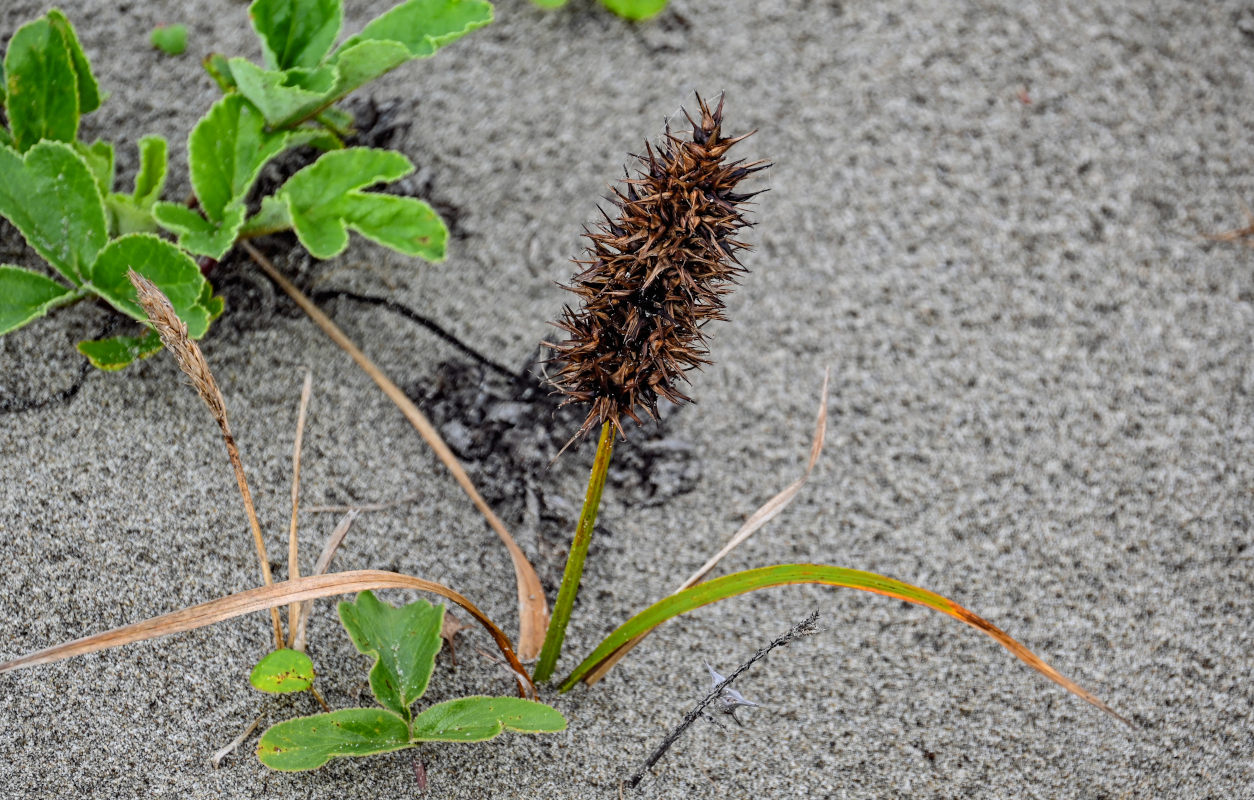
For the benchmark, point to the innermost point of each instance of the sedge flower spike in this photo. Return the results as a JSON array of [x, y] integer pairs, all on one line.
[[655, 275]]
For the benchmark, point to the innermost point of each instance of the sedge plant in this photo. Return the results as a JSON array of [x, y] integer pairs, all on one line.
[[653, 278]]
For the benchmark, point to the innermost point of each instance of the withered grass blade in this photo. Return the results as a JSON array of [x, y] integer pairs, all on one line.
[[262, 599]]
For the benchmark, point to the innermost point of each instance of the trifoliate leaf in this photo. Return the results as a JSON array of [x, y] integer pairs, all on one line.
[[283, 671], [161, 262], [403, 640], [310, 742], [51, 197], [474, 719], [25, 295], [325, 201], [296, 33]]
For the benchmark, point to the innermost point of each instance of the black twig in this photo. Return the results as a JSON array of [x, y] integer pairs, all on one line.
[[807, 627]]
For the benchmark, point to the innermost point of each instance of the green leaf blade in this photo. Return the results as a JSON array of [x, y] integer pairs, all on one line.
[[153, 161], [309, 742], [296, 33], [116, 352], [635, 9], [425, 26], [161, 262], [283, 97], [787, 574], [27, 295], [53, 199], [476, 719], [99, 158], [403, 641], [283, 671], [89, 96], [42, 86]]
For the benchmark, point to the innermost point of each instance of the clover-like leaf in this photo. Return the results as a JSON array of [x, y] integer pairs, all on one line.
[[310, 742], [161, 262], [116, 352], [52, 198], [296, 33], [42, 86], [403, 640], [474, 719], [283, 671], [25, 295], [324, 202]]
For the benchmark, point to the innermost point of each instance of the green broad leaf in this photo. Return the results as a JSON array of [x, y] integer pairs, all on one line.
[[197, 234], [475, 719], [324, 203], [26, 295], [287, 96], [99, 158], [219, 69], [787, 574], [423, 26], [169, 39], [634, 9], [42, 86], [403, 640], [296, 33], [310, 742], [114, 353], [51, 197], [89, 97], [364, 61], [161, 262], [283, 671], [150, 180]]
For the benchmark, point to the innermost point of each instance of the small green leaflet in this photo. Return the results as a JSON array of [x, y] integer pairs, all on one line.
[[475, 719], [635, 9], [310, 742], [403, 641], [169, 39], [25, 295], [283, 671], [116, 352]]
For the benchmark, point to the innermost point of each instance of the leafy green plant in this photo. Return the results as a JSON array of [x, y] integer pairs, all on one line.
[[628, 9], [404, 642], [58, 191]]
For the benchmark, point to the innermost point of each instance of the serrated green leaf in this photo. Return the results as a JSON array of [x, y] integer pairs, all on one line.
[[310, 742], [324, 203], [51, 197], [116, 352], [634, 9], [161, 262], [26, 295], [42, 86], [474, 719], [296, 33], [150, 180], [424, 26], [286, 96], [99, 158], [89, 97], [169, 39], [283, 671], [403, 641]]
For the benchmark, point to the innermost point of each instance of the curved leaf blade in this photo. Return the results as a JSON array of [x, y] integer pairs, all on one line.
[[476, 719], [283, 96], [424, 26], [296, 33], [403, 641], [150, 180], [52, 198], [283, 671], [310, 742], [260, 599], [117, 352], [42, 86], [161, 262], [26, 295], [785, 574], [89, 97]]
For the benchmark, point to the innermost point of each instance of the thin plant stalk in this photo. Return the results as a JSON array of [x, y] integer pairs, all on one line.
[[578, 552], [293, 545]]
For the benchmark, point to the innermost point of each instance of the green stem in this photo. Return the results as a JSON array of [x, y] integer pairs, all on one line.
[[574, 562]]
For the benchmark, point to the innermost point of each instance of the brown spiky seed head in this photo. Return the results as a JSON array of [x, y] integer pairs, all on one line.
[[655, 275]]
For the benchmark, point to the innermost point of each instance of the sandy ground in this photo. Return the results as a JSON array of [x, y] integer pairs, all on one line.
[[986, 219]]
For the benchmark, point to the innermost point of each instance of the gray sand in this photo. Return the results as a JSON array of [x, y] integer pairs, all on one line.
[[987, 222]]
